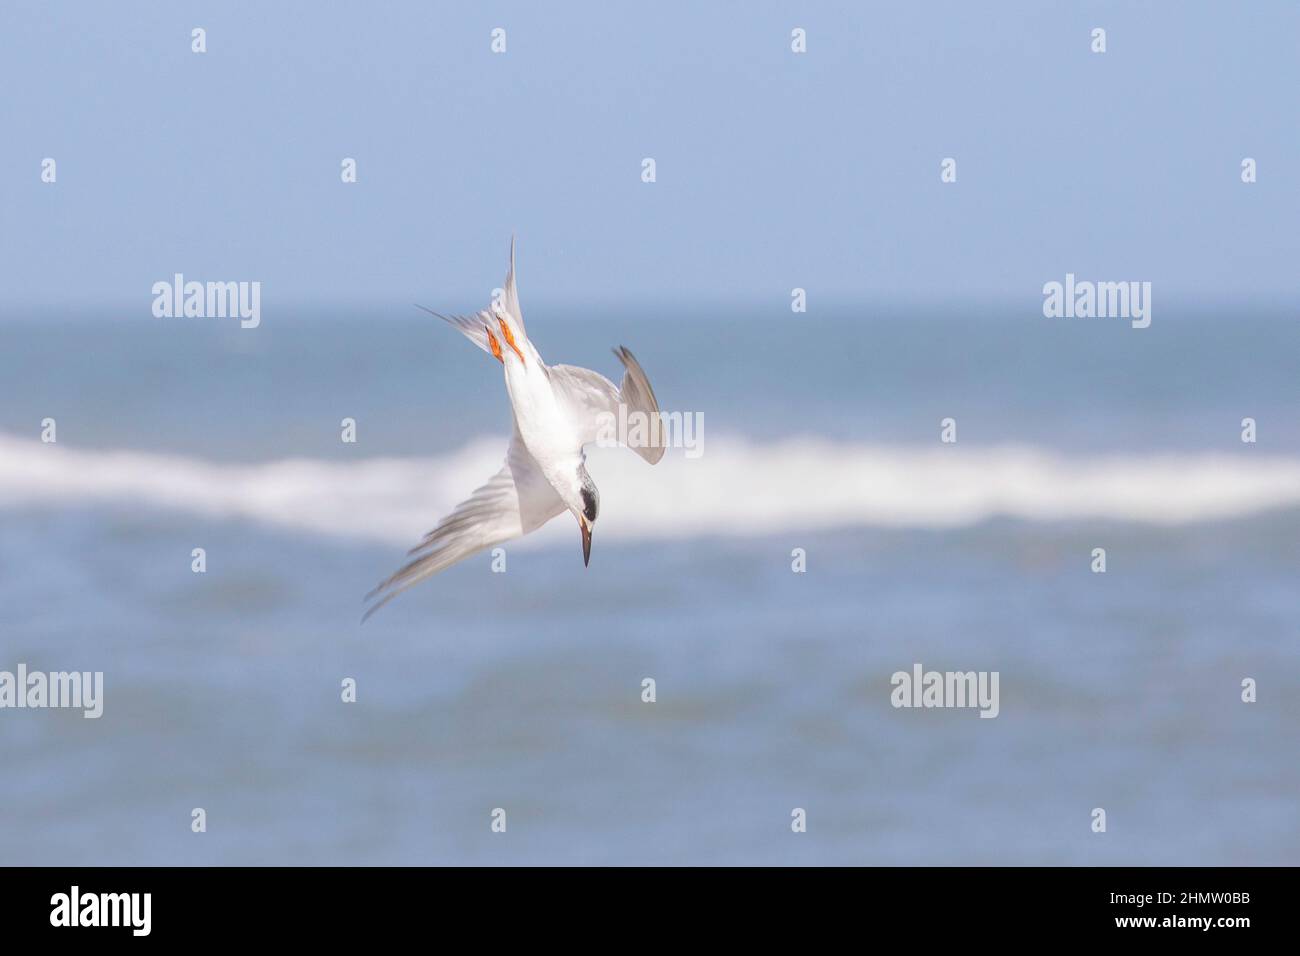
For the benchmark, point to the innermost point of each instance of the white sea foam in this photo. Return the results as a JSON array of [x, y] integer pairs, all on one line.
[[737, 488]]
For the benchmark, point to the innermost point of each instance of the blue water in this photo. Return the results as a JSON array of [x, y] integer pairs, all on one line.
[[523, 690], [206, 387]]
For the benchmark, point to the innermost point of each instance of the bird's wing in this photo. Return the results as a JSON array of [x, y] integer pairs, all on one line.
[[588, 395], [518, 499]]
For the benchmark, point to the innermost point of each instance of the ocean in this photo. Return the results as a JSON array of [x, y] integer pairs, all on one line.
[[479, 691]]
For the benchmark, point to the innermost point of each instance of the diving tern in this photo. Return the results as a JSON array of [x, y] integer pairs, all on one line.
[[557, 411]]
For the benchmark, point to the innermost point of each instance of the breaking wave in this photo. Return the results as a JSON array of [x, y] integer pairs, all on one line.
[[737, 487]]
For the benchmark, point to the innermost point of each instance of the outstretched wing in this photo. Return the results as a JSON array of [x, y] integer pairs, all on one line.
[[518, 499], [588, 395]]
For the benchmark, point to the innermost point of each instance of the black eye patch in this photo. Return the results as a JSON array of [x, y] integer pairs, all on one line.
[[588, 505]]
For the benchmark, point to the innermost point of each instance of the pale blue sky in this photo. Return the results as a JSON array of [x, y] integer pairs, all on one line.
[[774, 170]]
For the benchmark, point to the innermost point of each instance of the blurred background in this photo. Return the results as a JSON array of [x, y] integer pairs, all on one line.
[[775, 171]]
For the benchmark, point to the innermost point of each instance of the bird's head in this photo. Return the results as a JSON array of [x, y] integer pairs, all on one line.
[[583, 500]]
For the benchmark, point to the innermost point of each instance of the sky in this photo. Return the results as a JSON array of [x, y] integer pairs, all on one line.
[[774, 170]]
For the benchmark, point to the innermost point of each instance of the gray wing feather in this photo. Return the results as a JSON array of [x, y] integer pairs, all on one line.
[[589, 395]]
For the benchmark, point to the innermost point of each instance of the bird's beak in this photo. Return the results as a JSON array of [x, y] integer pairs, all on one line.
[[586, 540]]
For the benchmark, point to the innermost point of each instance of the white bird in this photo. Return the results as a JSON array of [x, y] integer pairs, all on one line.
[[557, 410]]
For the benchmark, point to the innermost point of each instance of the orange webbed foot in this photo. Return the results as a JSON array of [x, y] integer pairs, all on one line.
[[510, 339]]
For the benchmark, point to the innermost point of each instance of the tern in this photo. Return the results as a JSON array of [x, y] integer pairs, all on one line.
[[557, 411]]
